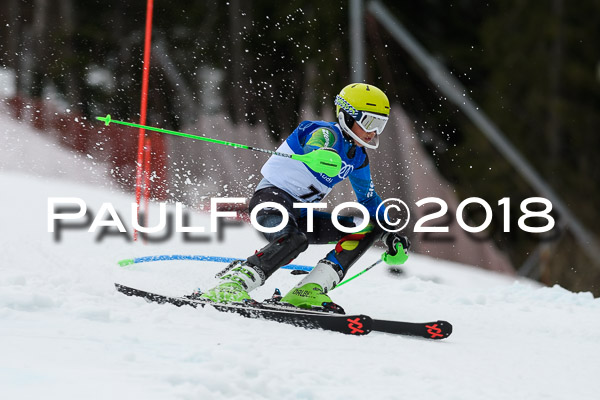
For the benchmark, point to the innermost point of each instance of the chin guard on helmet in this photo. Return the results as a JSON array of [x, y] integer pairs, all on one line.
[[343, 117]]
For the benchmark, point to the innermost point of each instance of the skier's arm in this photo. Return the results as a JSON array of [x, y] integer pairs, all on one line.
[[362, 184], [321, 138], [364, 189]]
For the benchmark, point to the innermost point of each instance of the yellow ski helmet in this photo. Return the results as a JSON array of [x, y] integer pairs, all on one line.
[[365, 105]]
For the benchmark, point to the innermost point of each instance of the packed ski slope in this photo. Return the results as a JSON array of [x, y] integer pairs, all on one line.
[[65, 333]]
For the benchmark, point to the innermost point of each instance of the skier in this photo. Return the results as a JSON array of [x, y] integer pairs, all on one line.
[[362, 111]]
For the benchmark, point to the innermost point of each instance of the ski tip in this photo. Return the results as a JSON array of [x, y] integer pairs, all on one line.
[[106, 119], [439, 330]]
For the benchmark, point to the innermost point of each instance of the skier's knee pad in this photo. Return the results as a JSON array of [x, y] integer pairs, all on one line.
[[279, 252], [352, 246]]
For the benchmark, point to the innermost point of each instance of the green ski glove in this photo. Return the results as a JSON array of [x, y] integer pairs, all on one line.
[[397, 252]]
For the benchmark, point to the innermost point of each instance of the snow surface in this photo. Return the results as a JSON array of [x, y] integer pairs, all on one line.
[[65, 333]]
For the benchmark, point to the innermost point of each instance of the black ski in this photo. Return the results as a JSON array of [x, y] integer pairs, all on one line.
[[428, 330], [349, 324]]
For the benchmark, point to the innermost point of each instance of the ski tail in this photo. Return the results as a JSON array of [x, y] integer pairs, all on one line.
[[348, 324]]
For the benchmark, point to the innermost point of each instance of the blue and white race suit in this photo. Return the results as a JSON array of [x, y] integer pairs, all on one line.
[[308, 186]]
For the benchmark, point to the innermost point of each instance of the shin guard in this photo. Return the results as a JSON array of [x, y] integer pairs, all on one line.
[[279, 252]]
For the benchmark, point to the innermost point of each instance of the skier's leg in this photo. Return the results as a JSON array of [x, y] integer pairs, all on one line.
[[312, 290], [285, 244], [352, 246], [241, 277]]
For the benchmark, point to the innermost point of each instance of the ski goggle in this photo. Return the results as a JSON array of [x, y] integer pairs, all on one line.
[[368, 121], [371, 122]]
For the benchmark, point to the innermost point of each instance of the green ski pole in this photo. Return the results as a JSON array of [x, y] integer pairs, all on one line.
[[360, 273], [323, 161]]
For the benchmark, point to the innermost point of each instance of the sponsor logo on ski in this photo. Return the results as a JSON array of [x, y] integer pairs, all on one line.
[[355, 326], [434, 331]]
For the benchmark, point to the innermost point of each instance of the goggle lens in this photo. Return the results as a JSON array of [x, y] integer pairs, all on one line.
[[372, 122]]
